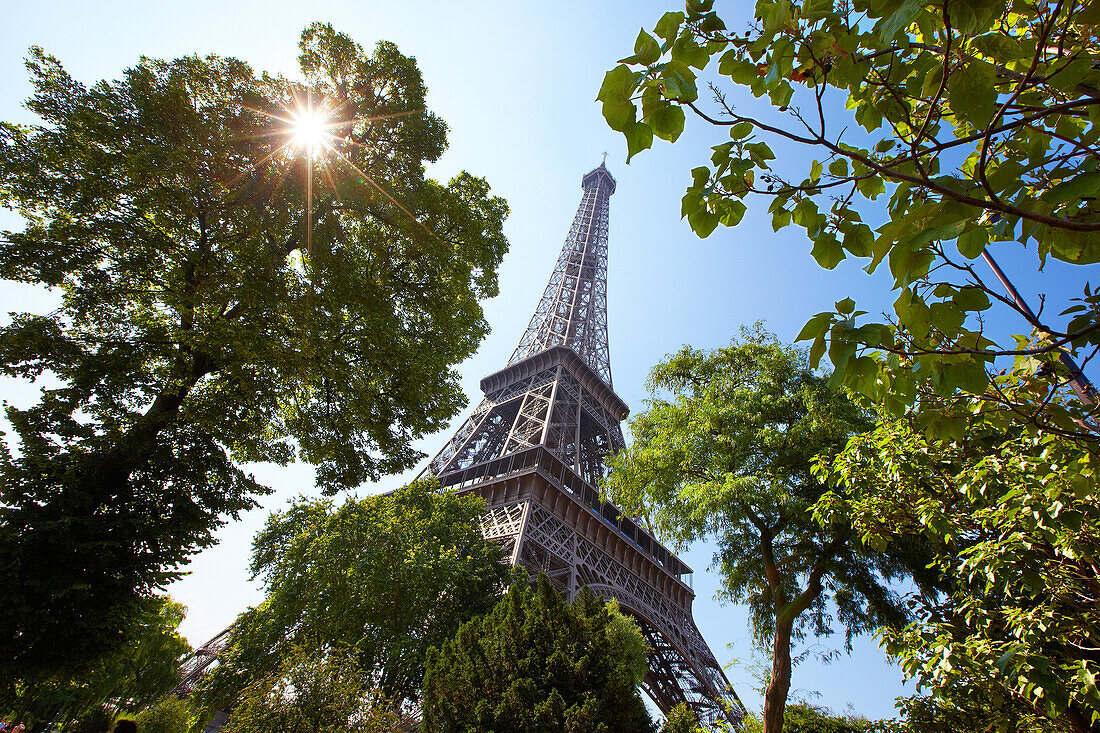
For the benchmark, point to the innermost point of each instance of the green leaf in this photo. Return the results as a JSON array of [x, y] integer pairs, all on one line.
[[639, 137], [740, 70], [687, 51], [815, 171], [702, 221], [667, 121], [817, 351], [972, 242], [646, 50], [971, 299], [741, 130], [730, 212], [827, 251], [669, 25], [859, 240], [897, 21], [845, 306], [814, 327], [618, 84], [619, 114], [839, 167], [871, 187]]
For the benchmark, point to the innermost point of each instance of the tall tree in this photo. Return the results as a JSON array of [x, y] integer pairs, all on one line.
[[381, 578], [537, 663], [979, 123], [231, 289], [724, 448]]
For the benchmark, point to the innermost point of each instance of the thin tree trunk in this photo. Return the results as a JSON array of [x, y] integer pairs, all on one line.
[[775, 697]]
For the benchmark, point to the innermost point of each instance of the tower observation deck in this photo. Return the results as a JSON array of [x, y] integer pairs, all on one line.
[[534, 449]]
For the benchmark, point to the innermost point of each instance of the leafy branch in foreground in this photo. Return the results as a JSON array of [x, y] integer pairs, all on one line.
[[979, 123]]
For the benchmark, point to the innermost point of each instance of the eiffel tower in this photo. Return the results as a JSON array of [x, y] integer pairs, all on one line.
[[534, 449]]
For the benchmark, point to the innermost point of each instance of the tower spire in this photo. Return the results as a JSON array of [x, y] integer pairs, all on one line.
[[573, 308]]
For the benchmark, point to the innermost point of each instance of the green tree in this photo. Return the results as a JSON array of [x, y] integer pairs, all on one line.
[[805, 718], [1014, 522], [724, 448], [537, 663], [315, 692], [131, 677], [979, 129], [382, 578], [216, 308], [169, 714]]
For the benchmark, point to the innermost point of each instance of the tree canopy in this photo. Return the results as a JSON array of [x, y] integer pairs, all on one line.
[[381, 579], [538, 663], [724, 448], [225, 297], [973, 120]]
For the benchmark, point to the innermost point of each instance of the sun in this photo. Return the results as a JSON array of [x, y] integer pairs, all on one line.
[[310, 131]]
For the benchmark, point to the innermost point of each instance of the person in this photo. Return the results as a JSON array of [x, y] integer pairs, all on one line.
[[125, 725]]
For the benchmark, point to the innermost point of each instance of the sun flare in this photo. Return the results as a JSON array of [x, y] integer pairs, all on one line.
[[310, 131]]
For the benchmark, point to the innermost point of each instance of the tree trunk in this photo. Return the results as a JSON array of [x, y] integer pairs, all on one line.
[[775, 697]]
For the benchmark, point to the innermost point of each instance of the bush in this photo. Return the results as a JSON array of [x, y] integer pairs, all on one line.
[[167, 715]]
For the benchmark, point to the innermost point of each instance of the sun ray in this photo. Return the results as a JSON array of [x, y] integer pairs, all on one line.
[[386, 193]]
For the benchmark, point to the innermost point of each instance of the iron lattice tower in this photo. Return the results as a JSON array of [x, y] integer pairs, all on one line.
[[534, 449]]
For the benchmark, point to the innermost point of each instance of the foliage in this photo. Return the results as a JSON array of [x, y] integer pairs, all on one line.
[[806, 718], [537, 663], [312, 691], [169, 714], [681, 719], [724, 448], [129, 678], [381, 578], [979, 127], [980, 710], [216, 309], [1014, 522]]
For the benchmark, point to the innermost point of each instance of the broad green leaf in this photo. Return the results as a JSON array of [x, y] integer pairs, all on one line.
[[646, 50], [639, 137], [618, 84], [741, 130], [669, 25], [972, 242], [827, 251], [814, 327], [898, 20], [702, 221], [667, 121]]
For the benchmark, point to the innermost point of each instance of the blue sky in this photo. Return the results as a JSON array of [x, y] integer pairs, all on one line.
[[516, 81]]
